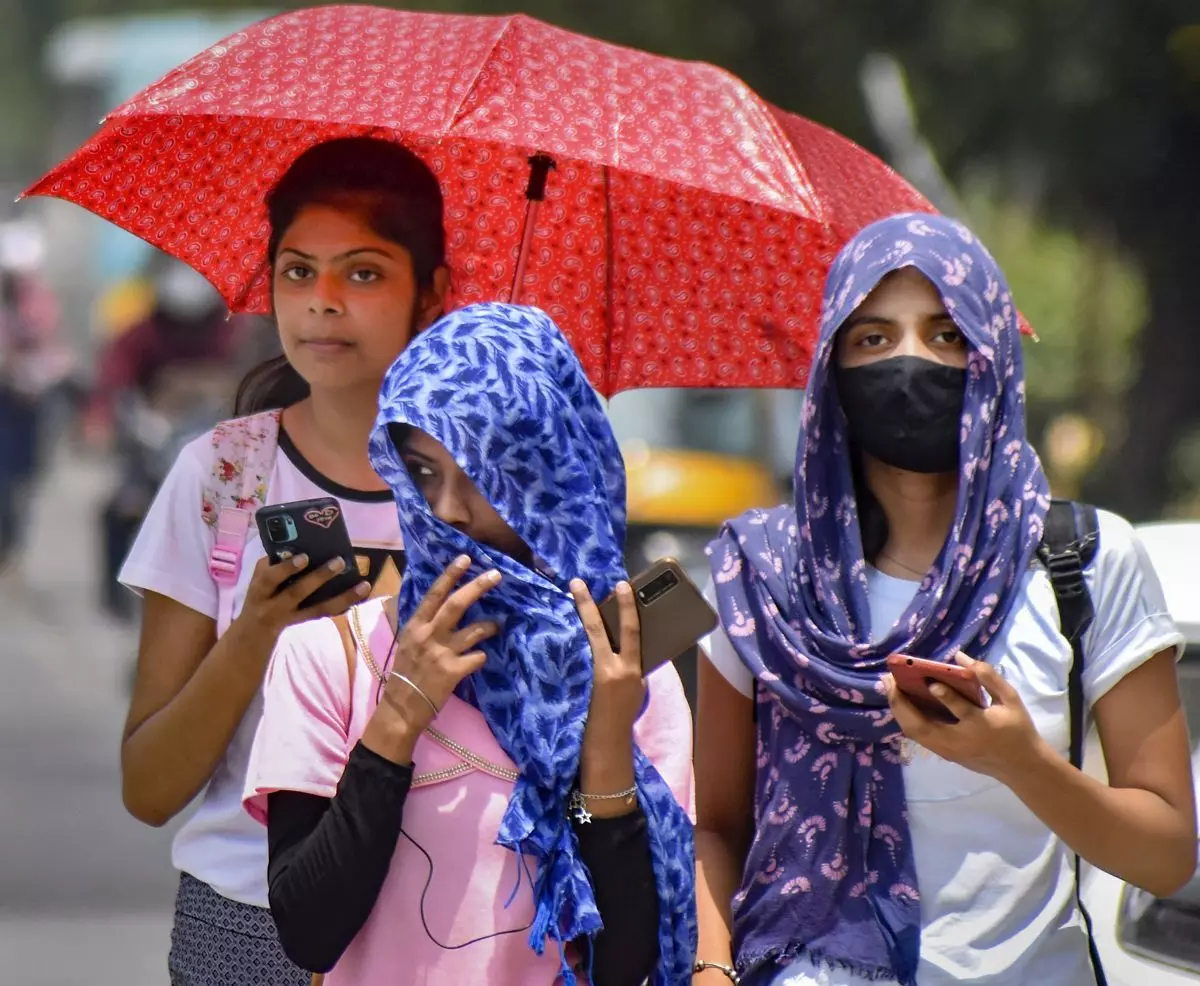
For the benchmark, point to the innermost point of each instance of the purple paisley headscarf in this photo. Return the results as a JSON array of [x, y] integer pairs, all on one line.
[[830, 873]]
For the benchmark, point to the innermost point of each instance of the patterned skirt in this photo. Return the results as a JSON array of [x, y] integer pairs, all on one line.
[[219, 942]]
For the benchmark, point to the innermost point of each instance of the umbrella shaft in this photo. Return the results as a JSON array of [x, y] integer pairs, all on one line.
[[531, 210]]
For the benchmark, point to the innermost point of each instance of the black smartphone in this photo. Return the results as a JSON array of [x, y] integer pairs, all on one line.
[[310, 527], [673, 613]]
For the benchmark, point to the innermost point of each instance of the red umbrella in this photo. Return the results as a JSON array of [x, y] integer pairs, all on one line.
[[678, 227]]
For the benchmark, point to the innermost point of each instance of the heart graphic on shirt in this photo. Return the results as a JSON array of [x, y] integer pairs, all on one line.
[[323, 517]]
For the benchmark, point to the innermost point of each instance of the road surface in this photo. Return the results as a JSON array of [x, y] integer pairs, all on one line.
[[85, 891]]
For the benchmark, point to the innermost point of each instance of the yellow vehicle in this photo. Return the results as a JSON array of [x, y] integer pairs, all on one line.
[[120, 306], [694, 459]]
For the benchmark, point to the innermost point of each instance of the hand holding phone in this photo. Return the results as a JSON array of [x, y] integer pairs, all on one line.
[[618, 682], [314, 528], [672, 612], [913, 676]]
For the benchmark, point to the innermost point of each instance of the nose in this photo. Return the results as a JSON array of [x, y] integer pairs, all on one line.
[[450, 507], [326, 297], [912, 342]]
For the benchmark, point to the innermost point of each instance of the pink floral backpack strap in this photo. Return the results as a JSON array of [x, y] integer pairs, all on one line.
[[243, 457]]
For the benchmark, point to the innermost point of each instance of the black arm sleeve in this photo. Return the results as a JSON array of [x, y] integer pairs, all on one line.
[[617, 854], [328, 859]]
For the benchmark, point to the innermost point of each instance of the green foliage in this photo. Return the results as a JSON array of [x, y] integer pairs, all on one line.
[[1084, 299]]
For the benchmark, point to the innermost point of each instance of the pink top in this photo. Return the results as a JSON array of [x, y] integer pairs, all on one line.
[[311, 722]]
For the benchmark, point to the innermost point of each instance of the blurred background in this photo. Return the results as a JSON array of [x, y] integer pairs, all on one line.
[[1067, 134]]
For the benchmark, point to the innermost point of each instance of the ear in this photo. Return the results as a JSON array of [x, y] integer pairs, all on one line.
[[433, 299]]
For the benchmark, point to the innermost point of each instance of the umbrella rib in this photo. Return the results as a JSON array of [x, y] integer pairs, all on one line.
[[791, 153], [483, 64]]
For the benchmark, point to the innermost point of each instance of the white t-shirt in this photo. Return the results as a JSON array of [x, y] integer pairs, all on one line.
[[220, 844], [997, 886]]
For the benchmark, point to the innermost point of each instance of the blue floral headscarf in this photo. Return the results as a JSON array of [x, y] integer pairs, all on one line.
[[831, 870], [500, 388]]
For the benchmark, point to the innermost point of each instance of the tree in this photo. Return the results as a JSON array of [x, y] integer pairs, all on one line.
[[1100, 99]]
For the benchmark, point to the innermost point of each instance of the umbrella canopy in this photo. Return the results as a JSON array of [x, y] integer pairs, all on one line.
[[678, 227]]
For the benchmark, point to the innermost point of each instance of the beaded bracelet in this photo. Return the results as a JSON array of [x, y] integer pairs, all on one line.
[[730, 972]]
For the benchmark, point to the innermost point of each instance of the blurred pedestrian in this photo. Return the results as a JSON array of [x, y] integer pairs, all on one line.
[[34, 361]]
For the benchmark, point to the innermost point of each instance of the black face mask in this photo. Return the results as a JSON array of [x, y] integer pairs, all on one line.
[[905, 411]]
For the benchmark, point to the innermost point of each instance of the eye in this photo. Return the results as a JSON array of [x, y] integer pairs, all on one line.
[[872, 339], [364, 276], [295, 273], [951, 336], [420, 472]]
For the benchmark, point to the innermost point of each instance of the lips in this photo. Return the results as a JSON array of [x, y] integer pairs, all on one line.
[[327, 346]]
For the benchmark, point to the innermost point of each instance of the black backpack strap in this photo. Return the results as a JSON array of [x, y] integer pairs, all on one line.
[[1068, 547]]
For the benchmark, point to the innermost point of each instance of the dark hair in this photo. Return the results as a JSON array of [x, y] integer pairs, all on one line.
[[872, 521], [399, 433], [395, 193]]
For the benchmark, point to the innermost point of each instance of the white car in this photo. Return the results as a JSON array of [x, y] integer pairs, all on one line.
[[1142, 940]]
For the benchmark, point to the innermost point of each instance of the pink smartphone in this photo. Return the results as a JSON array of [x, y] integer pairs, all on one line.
[[914, 674]]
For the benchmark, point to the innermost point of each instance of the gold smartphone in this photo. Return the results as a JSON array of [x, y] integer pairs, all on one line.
[[673, 613]]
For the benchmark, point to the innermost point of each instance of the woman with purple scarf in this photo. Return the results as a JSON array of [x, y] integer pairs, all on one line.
[[845, 836]]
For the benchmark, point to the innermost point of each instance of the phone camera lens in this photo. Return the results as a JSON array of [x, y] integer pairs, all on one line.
[[658, 588]]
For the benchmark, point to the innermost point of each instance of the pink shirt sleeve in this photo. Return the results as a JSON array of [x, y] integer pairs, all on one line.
[[302, 742]]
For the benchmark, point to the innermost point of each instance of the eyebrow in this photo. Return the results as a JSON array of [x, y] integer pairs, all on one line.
[[411, 453], [868, 318], [856, 320], [357, 251]]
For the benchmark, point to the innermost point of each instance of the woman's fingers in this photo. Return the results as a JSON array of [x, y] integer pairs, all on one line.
[[441, 589], [269, 577], [593, 625], [961, 708], [472, 636], [631, 627], [452, 611], [1001, 692], [305, 586], [912, 722], [470, 662], [341, 602]]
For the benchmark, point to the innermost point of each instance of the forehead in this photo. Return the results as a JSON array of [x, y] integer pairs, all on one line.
[[329, 229], [416, 440], [903, 291]]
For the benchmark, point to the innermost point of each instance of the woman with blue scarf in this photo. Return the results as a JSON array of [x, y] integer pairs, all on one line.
[[845, 836], [469, 783]]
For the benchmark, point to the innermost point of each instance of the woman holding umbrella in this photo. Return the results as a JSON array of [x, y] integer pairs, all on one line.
[[357, 256], [846, 835]]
